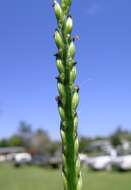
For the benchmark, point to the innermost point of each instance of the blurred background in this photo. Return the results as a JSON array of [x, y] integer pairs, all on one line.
[[30, 147]]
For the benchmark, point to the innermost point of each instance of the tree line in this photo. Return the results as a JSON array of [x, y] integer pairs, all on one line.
[[35, 142], [39, 142]]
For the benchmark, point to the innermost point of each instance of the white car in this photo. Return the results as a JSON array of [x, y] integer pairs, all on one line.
[[22, 159], [100, 162], [123, 162]]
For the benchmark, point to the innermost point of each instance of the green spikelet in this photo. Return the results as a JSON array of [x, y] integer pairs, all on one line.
[[58, 10], [60, 66], [72, 75], [75, 100], [68, 98], [68, 25], [71, 50], [58, 40]]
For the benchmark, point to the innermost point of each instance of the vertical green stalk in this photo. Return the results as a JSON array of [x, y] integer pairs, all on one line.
[[68, 98]]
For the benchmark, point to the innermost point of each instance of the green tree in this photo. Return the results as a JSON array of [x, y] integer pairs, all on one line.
[[84, 144], [25, 133], [55, 148], [40, 142], [115, 140], [4, 143], [15, 140], [116, 137]]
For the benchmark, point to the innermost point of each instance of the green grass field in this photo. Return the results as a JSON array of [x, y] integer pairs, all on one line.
[[33, 178]]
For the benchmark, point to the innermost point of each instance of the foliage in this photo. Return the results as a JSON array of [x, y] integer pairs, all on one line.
[[15, 140], [115, 140], [40, 142], [36, 142], [84, 144], [119, 135], [4, 143], [25, 133]]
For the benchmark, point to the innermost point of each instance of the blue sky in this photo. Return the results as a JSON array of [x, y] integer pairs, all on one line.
[[27, 65]]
